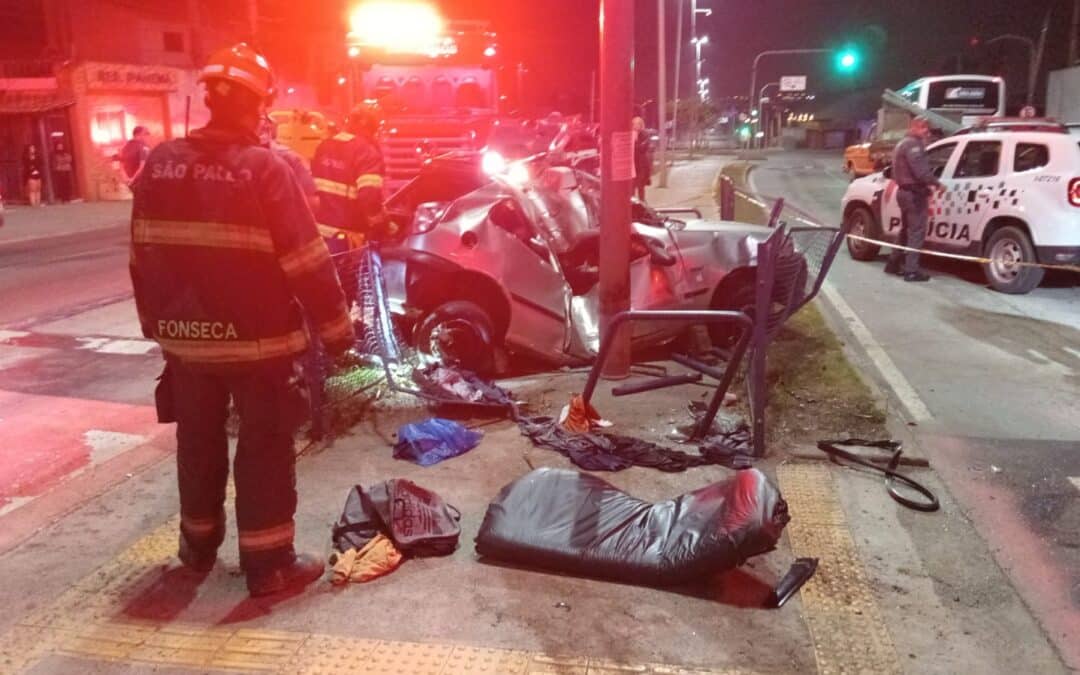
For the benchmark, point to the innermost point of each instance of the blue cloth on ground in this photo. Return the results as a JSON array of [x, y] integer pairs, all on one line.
[[431, 441]]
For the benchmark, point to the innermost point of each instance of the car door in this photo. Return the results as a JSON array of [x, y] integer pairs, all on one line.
[[536, 286], [941, 157], [956, 215]]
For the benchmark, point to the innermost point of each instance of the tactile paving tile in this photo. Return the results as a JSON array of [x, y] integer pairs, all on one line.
[[329, 655], [840, 610], [473, 660], [391, 658], [22, 646]]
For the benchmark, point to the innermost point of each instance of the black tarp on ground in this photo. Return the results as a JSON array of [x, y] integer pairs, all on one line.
[[572, 522]]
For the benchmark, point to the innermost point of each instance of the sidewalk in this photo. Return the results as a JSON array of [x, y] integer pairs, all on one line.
[[896, 591], [25, 223]]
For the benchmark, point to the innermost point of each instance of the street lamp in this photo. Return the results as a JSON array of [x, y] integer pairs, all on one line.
[[777, 52], [1032, 75], [761, 106]]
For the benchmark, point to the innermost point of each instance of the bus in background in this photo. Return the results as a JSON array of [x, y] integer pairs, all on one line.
[[963, 98]]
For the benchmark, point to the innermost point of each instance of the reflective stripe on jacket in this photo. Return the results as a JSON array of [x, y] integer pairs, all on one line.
[[225, 251], [348, 172]]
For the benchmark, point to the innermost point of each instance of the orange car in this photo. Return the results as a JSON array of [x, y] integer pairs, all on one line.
[[874, 155]]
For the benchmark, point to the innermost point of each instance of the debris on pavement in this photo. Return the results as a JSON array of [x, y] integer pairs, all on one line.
[[576, 523], [377, 558], [463, 385], [418, 521], [602, 451], [580, 417], [801, 571], [892, 477], [433, 440]]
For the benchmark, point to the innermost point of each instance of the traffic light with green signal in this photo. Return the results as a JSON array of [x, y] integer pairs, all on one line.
[[847, 60]]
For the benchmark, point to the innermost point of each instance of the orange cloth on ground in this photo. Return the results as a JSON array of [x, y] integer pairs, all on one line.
[[378, 557], [580, 417]]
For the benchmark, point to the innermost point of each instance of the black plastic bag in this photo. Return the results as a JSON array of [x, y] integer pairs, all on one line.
[[418, 521], [576, 523]]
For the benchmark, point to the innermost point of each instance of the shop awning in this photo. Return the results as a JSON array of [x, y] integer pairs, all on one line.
[[28, 102]]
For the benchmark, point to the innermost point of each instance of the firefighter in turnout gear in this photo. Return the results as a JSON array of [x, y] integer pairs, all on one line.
[[225, 257], [348, 169]]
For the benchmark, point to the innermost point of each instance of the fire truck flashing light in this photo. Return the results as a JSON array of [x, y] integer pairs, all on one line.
[[401, 27]]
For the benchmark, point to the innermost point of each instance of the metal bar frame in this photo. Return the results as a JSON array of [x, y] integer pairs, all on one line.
[[695, 316]]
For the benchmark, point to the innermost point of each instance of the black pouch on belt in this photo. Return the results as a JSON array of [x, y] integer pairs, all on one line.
[[163, 397]]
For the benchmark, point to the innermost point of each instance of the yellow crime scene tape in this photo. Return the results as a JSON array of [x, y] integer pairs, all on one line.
[[960, 256]]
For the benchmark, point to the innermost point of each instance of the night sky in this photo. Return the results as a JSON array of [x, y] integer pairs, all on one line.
[[902, 40]]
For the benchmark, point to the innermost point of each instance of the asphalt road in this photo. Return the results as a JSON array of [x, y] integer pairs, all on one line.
[[76, 378], [990, 382]]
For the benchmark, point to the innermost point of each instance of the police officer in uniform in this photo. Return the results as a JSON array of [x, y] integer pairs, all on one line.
[[224, 253], [348, 169], [915, 181]]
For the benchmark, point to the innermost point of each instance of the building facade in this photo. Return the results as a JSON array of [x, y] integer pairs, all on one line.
[[85, 73]]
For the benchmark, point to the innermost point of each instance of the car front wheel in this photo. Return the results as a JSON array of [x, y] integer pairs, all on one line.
[[459, 333], [1010, 250], [861, 223]]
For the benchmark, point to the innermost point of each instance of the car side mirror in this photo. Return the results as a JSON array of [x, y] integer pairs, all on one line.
[[887, 172]]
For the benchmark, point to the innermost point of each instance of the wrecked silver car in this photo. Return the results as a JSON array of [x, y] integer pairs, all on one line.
[[507, 263]]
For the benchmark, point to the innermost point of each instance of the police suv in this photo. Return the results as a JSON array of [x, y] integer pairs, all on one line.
[[1012, 195]]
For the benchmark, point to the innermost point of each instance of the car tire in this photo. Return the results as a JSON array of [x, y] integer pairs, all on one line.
[[860, 221], [459, 333], [1006, 247], [742, 297]]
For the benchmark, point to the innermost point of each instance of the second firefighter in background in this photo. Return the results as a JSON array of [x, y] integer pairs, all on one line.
[[349, 173]]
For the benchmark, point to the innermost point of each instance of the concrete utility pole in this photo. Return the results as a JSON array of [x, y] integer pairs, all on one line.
[[678, 67], [616, 173], [661, 98]]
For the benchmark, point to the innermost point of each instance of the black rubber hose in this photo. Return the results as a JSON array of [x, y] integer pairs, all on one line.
[[891, 475]]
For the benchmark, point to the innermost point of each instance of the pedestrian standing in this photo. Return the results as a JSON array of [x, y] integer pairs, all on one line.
[[63, 176], [643, 158], [32, 170], [915, 181], [225, 252], [134, 153]]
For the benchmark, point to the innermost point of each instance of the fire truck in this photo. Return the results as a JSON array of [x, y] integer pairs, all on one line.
[[436, 81]]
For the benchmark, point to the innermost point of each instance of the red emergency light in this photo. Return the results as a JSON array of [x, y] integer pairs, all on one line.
[[398, 27]]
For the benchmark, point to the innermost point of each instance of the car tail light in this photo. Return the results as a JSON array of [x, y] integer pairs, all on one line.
[[1074, 192]]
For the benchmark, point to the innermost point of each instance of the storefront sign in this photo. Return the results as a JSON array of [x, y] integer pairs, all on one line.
[[118, 76]]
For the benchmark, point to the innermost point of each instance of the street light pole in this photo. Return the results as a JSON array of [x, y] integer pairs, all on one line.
[[761, 109], [1031, 74], [661, 99], [616, 174], [775, 52]]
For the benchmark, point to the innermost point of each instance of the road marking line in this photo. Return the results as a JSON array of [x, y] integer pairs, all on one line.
[[1072, 351], [908, 397], [6, 335], [128, 347], [1038, 356], [104, 345], [1075, 480]]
